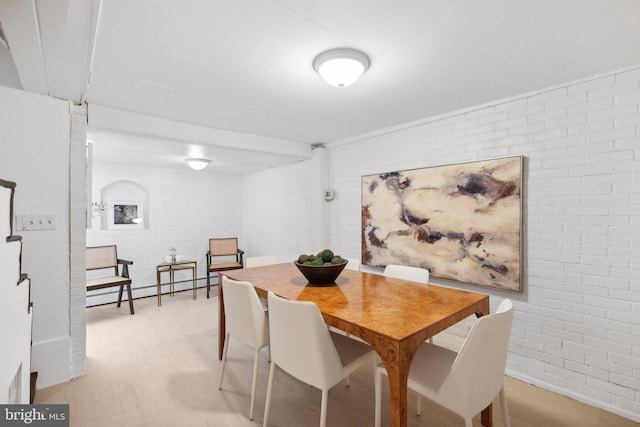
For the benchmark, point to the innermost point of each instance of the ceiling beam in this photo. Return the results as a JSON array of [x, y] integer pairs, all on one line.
[[51, 42], [22, 32], [126, 121]]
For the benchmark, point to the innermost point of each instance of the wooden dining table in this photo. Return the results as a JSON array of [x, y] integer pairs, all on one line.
[[393, 316]]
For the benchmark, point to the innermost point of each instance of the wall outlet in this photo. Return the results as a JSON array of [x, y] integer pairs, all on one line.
[[35, 222]]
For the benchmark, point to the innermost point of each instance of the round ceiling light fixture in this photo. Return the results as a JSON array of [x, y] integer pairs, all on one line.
[[341, 67], [196, 163]]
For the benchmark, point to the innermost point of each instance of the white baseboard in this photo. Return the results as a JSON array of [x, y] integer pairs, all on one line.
[[576, 396]]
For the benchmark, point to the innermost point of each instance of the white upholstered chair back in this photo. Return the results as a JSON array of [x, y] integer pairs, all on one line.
[[480, 364], [247, 322], [468, 381], [405, 272], [353, 264], [303, 346], [259, 261]]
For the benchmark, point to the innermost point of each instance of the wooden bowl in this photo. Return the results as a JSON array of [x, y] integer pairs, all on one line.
[[321, 274]]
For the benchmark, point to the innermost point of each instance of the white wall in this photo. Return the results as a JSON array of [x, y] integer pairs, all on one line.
[[15, 357], [276, 207], [34, 153], [576, 326], [185, 208]]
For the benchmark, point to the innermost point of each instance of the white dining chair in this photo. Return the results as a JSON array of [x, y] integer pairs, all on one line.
[[406, 272], [302, 346], [468, 381], [413, 274], [260, 261], [247, 322], [353, 264]]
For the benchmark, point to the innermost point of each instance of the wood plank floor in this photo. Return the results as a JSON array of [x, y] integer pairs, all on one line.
[[159, 367]]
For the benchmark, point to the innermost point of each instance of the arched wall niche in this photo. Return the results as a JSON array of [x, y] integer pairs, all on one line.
[[125, 191]]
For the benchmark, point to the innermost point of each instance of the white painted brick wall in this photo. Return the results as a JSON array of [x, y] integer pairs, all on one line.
[[185, 208], [276, 207], [576, 329], [77, 238]]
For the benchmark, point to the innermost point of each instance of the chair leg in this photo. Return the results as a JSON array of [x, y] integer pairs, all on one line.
[[224, 359], [120, 295], [419, 397], [267, 404], [503, 408], [130, 298], [253, 383], [208, 284], [378, 404], [323, 408]]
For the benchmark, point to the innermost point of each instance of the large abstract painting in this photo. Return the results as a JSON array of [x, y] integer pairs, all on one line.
[[463, 222]]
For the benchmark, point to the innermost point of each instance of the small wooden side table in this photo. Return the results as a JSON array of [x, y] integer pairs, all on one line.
[[171, 268]]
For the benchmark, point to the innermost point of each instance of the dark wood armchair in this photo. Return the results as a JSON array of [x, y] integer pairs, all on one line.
[[225, 253], [106, 257]]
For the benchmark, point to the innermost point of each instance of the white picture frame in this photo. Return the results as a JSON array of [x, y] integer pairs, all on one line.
[[125, 215]]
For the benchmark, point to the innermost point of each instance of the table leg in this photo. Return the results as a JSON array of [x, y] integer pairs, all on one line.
[[397, 358], [222, 328], [171, 279], [195, 291], [486, 416], [159, 289], [397, 396]]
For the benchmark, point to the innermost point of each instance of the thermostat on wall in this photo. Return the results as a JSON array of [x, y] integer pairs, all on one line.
[[328, 195]]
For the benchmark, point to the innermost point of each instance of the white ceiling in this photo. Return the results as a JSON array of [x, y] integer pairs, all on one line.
[[245, 65]]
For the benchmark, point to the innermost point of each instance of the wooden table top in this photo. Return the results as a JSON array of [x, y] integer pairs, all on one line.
[[390, 307], [178, 263]]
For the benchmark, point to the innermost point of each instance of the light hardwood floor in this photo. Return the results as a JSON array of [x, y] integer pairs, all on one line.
[[159, 367]]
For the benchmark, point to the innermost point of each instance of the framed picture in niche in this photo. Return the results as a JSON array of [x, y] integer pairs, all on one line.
[[125, 215]]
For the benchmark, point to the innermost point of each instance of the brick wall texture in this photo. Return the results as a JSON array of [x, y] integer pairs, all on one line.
[[577, 323]]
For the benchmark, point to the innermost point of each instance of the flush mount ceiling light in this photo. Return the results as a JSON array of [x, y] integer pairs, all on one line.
[[197, 164], [341, 67]]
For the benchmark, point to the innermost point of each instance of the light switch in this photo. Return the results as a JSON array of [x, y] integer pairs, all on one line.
[[35, 222]]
